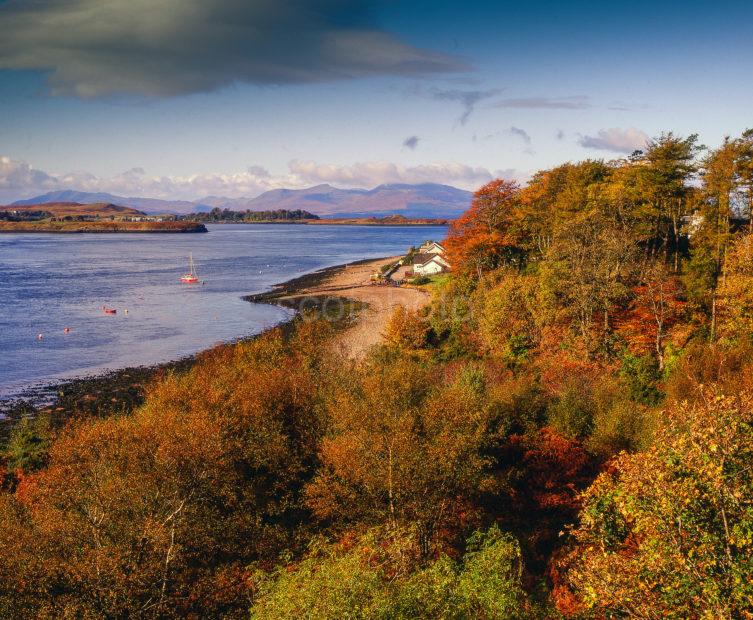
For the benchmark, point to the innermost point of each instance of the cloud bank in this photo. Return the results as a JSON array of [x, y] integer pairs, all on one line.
[[161, 48], [369, 174], [20, 180], [616, 140]]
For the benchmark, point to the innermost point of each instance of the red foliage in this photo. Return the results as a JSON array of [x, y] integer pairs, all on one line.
[[26, 485], [656, 308], [554, 469], [544, 474]]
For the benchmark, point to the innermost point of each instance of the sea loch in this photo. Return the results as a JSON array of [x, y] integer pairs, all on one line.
[[52, 282]]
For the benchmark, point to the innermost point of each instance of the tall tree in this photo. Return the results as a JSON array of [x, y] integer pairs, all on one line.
[[489, 234], [668, 165]]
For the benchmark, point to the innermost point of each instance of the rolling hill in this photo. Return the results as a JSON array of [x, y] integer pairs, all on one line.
[[147, 205], [62, 209]]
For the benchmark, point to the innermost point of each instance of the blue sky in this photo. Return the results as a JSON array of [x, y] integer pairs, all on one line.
[[185, 98]]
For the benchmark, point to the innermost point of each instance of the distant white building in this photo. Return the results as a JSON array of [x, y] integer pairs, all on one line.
[[426, 264], [692, 223]]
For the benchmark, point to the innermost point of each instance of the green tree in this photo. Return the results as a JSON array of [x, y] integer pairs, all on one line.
[[381, 576], [667, 167]]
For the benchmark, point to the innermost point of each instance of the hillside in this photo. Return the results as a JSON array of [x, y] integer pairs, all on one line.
[[428, 200], [564, 430], [147, 205], [63, 209]]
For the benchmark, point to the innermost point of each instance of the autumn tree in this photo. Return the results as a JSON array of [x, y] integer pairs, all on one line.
[[538, 478], [666, 533], [667, 166], [744, 171], [507, 315], [554, 198], [587, 272], [403, 446], [157, 514], [735, 294], [406, 330], [656, 307], [489, 234], [382, 575]]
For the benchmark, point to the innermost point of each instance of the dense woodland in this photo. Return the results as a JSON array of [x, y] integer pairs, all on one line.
[[567, 431], [229, 215]]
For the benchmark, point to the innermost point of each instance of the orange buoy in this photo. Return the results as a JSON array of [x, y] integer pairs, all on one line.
[[67, 330], [40, 336]]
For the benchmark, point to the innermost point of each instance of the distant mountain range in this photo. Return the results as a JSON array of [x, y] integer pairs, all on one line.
[[428, 200]]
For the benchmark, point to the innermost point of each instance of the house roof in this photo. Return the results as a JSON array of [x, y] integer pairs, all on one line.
[[429, 244], [424, 259]]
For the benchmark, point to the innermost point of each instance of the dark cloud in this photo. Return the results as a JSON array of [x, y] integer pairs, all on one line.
[[520, 133], [467, 98], [411, 142], [159, 48], [616, 140], [577, 102]]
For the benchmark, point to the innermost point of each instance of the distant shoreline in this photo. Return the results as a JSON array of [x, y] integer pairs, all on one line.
[[340, 222], [73, 228]]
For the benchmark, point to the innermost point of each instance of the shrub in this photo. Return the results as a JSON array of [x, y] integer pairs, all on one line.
[[380, 576]]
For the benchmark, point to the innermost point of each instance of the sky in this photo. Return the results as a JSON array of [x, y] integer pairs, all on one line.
[[182, 99]]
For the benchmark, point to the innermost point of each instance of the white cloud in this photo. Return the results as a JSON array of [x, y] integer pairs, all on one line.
[[616, 140], [159, 48], [370, 174], [15, 175], [20, 180]]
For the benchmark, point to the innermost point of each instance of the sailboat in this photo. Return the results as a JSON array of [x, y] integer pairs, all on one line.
[[191, 277]]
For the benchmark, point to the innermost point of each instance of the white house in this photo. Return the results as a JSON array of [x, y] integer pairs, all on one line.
[[431, 247], [429, 264]]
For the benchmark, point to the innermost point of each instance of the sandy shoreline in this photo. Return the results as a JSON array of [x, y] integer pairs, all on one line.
[[119, 391], [352, 282]]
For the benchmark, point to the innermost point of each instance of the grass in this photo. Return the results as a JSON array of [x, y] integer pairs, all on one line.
[[435, 281]]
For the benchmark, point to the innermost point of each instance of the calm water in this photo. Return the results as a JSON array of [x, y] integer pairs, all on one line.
[[49, 282]]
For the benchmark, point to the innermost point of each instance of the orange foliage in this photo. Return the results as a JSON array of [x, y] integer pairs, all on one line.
[[488, 234]]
